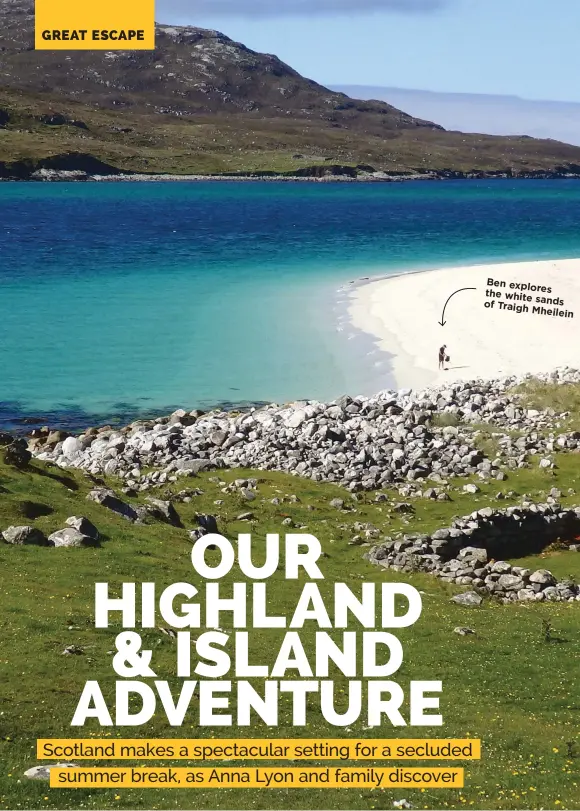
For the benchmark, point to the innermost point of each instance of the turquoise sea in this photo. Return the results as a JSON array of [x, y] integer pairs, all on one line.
[[120, 299]]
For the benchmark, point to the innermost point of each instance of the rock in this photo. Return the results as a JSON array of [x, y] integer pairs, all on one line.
[[510, 582], [337, 504], [247, 494], [43, 772], [361, 444], [73, 650], [479, 555], [468, 598], [405, 805], [163, 511], [25, 536], [296, 419], [192, 467], [462, 631], [196, 534], [108, 499], [471, 488], [543, 578], [208, 523], [71, 447], [71, 537], [218, 438], [501, 567], [17, 454], [245, 517], [84, 526]]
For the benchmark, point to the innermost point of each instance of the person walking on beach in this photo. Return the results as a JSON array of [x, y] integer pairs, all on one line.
[[443, 357]]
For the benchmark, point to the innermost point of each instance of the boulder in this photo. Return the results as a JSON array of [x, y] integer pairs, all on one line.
[[25, 536], [218, 438], [473, 553], [296, 419], [72, 447], [501, 567], [191, 467], [43, 772], [107, 498], [163, 511], [209, 523], [71, 537], [543, 578], [84, 526], [510, 582], [468, 598]]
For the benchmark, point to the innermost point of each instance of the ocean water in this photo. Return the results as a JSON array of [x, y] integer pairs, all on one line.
[[124, 299]]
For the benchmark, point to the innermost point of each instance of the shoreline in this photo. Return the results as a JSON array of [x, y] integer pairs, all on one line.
[[486, 334], [316, 174]]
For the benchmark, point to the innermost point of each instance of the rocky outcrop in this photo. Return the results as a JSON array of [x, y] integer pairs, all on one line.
[[471, 551], [361, 443], [65, 166]]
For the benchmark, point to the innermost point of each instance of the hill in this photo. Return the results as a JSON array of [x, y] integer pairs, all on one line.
[[202, 103], [478, 112], [509, 682]]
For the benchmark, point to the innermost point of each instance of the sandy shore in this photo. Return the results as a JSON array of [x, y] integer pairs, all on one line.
[[485, 335]]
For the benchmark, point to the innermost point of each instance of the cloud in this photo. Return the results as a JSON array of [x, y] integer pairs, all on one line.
[[278, 8]]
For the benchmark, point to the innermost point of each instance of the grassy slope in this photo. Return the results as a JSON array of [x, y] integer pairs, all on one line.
[[218, 144], [505, 684]]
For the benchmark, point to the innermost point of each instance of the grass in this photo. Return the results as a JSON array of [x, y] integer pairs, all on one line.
[[562, 398], [217, 144], [505, 684]]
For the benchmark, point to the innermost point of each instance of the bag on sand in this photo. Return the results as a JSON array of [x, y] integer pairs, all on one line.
[[447, 358]]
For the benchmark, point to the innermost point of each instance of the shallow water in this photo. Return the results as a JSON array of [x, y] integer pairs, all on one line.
[[119, 299]]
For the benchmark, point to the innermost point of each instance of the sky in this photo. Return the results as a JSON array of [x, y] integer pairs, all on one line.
[[526, 48]]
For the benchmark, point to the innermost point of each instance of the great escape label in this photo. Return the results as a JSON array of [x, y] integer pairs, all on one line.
[[525, 297], [68, 25]]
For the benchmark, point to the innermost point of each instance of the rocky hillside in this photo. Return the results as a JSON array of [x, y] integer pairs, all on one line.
[[192, 71], [202, 103]]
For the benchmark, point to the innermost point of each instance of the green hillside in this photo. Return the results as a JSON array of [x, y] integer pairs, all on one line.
[[505, 684]]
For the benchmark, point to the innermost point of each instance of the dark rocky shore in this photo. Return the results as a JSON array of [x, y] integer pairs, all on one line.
[[74, 167]]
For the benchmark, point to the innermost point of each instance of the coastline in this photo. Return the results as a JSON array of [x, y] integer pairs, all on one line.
[[313, 174], [488, 334]]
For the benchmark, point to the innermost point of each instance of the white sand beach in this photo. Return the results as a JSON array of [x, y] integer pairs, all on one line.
[[485, 335]]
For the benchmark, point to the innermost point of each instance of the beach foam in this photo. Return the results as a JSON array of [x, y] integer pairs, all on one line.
[[484, 338]]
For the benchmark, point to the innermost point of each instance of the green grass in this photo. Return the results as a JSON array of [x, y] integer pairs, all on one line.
[[562, 398], [504, 684], [216, 143]]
